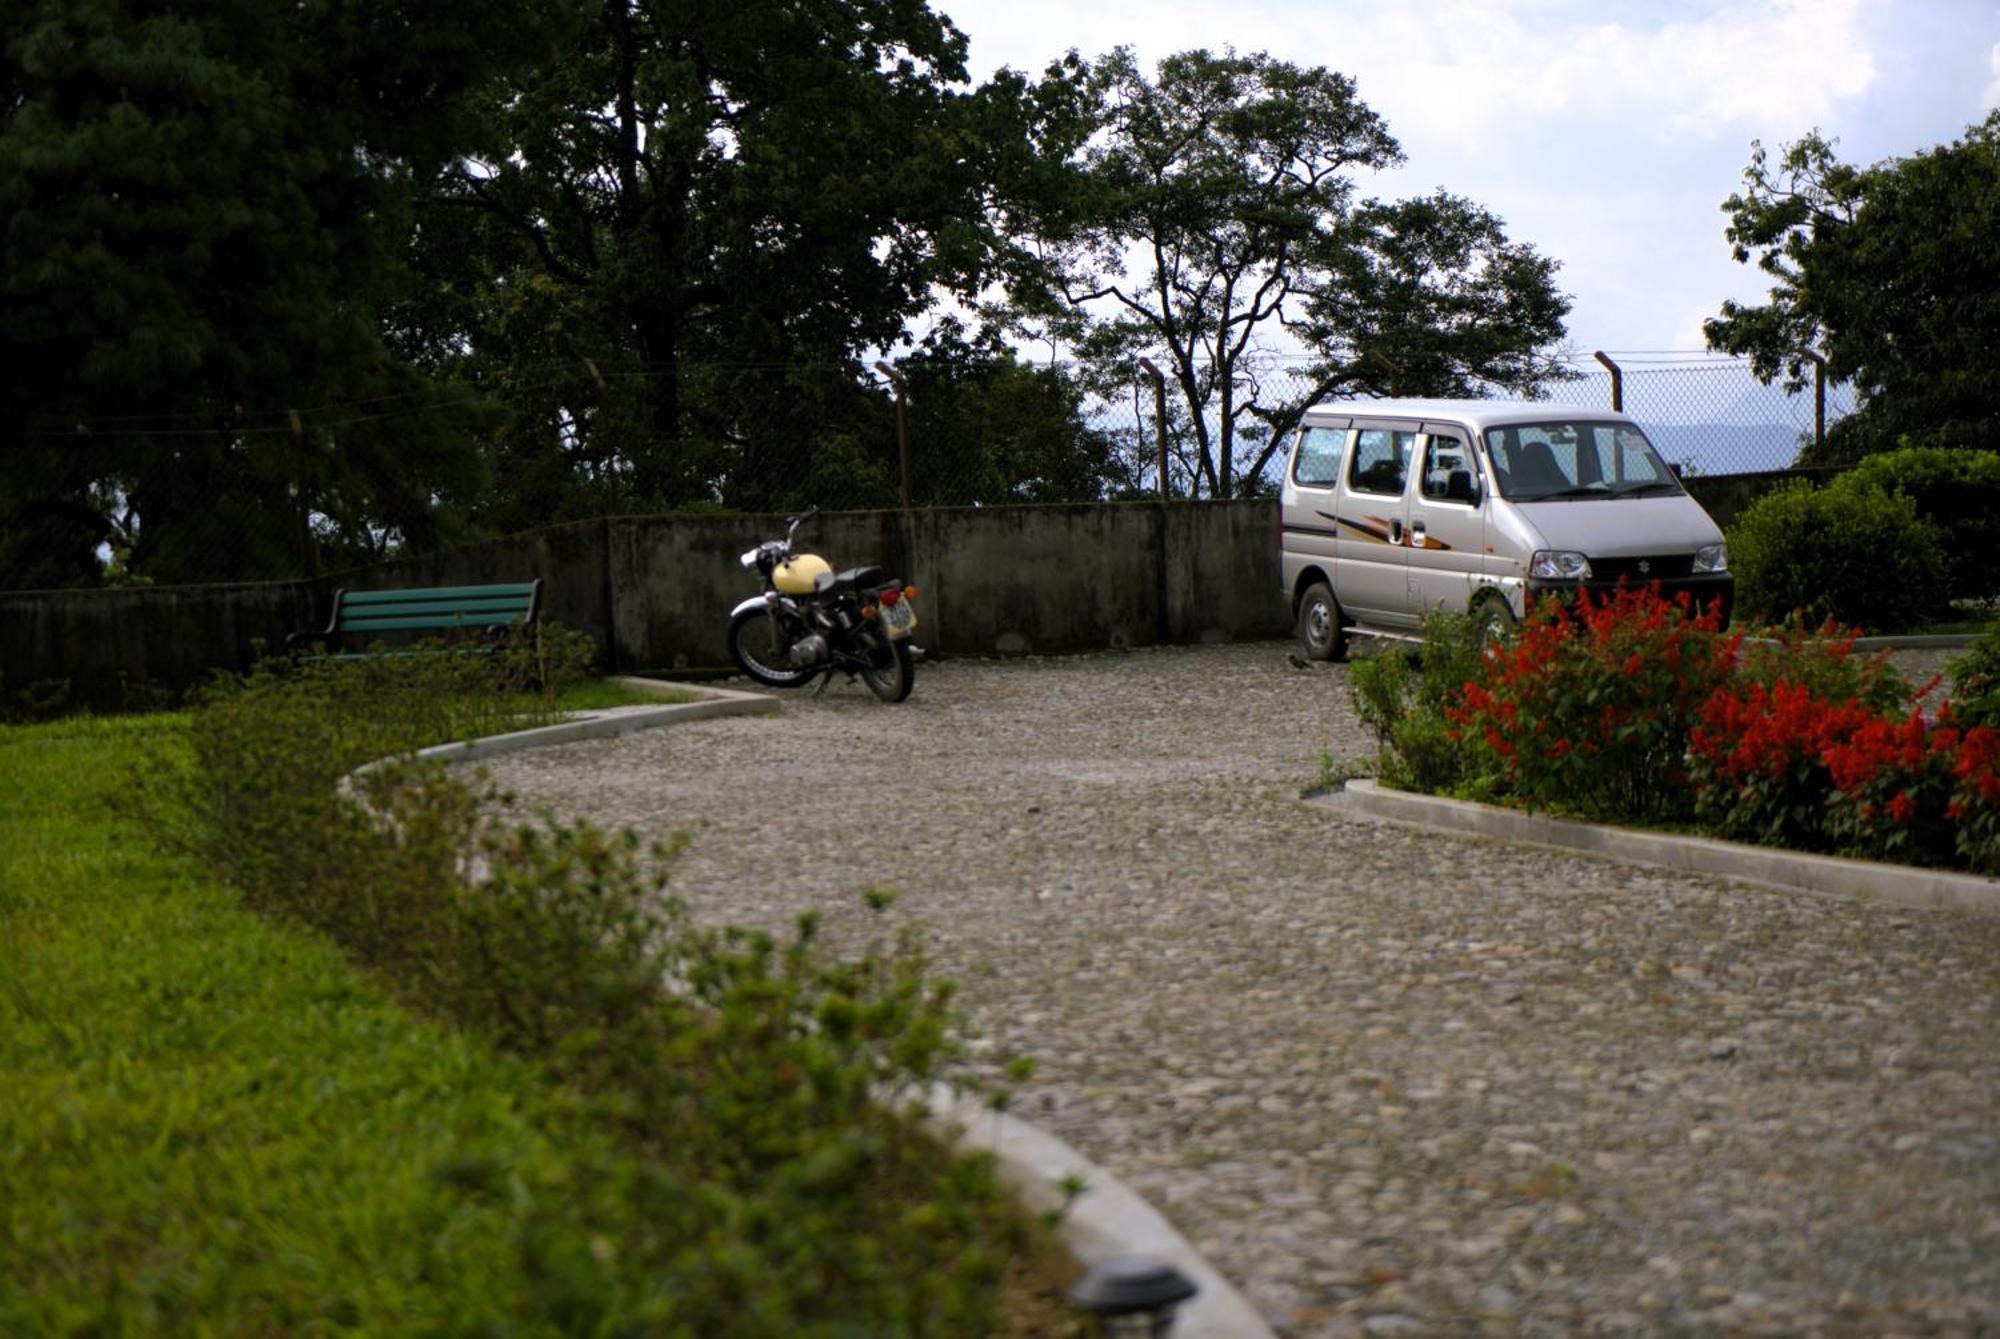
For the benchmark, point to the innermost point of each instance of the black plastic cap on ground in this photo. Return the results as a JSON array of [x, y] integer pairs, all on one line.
[[1132, 1285]]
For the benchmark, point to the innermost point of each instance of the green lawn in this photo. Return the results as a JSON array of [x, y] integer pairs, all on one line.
[[215, 1125], [597, 694]]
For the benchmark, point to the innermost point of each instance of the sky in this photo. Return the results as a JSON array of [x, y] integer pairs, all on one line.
[[1605, 134]]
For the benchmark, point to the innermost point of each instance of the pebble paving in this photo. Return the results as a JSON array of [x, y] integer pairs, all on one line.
[[1391, 1081]]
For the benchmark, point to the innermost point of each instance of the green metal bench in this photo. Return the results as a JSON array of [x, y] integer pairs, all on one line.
[[371, 615]]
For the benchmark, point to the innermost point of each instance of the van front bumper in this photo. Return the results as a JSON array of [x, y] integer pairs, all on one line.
[[1702, 589]]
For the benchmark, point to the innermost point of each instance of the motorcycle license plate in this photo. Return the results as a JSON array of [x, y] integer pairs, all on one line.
[[898, 618]]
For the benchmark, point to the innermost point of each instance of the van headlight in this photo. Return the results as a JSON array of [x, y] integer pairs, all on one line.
[[1712, 558], [1559, 565]]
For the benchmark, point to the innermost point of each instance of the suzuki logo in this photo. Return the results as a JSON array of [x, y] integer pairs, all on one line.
[[1644, 567]]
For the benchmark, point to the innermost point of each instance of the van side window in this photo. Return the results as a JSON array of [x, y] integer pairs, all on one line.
[[1444, 456], [1317, 464], [1381, 460]]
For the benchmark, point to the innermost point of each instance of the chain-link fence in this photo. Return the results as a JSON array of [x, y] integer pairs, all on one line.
[[1708, 413], [307, 492]]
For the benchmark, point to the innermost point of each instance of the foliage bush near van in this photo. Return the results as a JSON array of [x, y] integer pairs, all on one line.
[[1975, 679], [1405, 706], [1636, 709], [778, 1194], [1957, 495], [1859, 556]]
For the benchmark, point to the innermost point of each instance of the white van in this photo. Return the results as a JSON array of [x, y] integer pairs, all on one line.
[[1392, 508]]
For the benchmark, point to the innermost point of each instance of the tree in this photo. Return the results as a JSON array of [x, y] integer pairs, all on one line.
[[990, 429], [688, 198], [1214, 205], [201, 210], [1891, 272]]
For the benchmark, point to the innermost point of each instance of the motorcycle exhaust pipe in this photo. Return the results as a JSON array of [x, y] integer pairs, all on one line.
[[809, 650]]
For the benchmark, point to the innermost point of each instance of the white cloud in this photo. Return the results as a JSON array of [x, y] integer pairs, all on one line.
[[1474, 67], [1606, 132], [1489, 71]]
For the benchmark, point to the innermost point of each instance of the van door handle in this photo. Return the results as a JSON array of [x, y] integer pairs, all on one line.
[[1416, 534], [1395, 529]]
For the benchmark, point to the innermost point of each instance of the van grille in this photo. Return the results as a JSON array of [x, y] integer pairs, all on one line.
[[1641, 570]]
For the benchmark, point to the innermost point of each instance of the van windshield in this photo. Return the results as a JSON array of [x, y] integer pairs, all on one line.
[[1576, 458]]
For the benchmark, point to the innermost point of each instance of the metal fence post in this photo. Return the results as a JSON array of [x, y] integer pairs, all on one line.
[[1617, 383], [902, 428], [1159, 417], [1389, 366], [1819, 402]]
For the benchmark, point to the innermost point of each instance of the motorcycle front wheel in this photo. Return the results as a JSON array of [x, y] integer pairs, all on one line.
[[762, 651], [892, 673]]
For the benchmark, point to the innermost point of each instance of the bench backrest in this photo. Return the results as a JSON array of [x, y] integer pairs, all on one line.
[[436, 608]]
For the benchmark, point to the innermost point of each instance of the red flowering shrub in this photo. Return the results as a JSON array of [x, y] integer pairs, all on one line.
[[1822, 660], [1892, 787], [1636, 708], [1757, 759], [1589, 708], [1975, 801]]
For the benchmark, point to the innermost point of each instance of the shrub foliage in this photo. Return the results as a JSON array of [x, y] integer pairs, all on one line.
[[783, 1196]]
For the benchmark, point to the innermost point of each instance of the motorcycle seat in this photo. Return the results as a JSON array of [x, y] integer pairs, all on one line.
[[853, 579]]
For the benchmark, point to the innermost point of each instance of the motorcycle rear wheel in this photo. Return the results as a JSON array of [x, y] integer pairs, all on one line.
[[760, 652], [893, 673]]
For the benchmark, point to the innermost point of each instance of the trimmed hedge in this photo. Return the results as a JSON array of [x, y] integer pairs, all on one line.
[[1957, 496], [1857, 555]]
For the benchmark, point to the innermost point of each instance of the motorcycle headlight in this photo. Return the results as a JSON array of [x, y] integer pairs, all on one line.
[[749, 559], [1559, 565], [1712, 558]]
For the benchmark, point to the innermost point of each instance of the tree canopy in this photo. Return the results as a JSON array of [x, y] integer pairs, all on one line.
[[695, 197], [1212, 205], [290, 286], [1890, 272], [201, 211]]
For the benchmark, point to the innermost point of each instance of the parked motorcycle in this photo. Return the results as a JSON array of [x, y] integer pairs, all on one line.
[[812, 621]]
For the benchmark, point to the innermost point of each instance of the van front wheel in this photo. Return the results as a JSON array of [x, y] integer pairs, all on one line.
[[1319, 624], [1494, 620]]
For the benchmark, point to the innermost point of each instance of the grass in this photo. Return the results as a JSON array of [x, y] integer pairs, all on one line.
[[217, 1122], [600, 694], [216, 1125]]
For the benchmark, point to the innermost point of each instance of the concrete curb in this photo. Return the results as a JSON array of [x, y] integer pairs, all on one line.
[[1902, 885], [1916, 641], [613, 720], [1107, 1219], [1924, 641]]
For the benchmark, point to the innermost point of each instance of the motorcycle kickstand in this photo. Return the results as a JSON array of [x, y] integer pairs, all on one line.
[[824, 680]]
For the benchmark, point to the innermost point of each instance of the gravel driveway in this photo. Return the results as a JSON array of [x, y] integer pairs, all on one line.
[[1390, 1081]]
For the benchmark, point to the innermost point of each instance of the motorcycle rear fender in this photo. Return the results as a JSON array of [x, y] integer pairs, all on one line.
[[756, 605]]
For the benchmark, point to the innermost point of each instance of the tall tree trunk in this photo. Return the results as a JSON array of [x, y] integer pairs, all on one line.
[[661, 472]]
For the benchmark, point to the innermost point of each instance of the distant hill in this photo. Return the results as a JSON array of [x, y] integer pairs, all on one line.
[[1726, 448]]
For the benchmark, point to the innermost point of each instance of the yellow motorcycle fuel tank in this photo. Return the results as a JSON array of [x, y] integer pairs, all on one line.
[[797, 576]]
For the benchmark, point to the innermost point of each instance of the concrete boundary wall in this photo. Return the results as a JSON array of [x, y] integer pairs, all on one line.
[[655, 591], [114, 646]]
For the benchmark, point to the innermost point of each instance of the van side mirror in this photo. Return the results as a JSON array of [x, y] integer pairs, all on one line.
[[1458, 487]]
